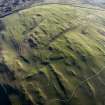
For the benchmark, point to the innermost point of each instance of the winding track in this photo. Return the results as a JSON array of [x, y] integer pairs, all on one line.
[[76, 88]]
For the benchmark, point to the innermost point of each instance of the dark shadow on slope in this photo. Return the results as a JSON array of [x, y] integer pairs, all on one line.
[[6, 72], [2, 26], [4, 100], [7, 90]]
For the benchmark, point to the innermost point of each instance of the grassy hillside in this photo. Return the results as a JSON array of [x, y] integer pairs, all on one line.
[[53, 55]]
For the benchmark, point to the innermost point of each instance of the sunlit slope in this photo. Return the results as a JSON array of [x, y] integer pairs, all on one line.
[[53, 55]]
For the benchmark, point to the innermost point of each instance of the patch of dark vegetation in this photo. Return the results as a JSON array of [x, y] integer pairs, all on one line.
[[35, 76], [24, 59], [38, 15], [2, 26], [50, 48], [56, 58], [4, 70], [72, 62], [82, 56], [45, 62], [84, 32], [10, 89], [32, 43], [40, 100], [35, 58], [15, 44], [2, 36], [70, 47]]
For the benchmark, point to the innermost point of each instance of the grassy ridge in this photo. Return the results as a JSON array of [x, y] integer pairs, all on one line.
[[53, 50]]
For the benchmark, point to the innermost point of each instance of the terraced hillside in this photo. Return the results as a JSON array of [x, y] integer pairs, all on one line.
[[52, 55]]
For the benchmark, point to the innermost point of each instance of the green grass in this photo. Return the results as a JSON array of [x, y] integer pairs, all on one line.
[[61, 46]]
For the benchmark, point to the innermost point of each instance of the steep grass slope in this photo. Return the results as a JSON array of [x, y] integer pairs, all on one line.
[[53, 55]]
